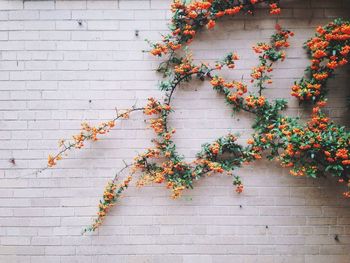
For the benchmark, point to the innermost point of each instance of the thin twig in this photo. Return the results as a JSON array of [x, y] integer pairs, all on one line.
[[73, 145]]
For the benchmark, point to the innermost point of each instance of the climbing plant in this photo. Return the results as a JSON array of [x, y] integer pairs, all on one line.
[[316, 148]]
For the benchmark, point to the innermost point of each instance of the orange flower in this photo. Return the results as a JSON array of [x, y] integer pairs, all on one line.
[[320, 76], [215, 148], [220, 14], [217, 81], [192, 14], [239, 188], [319, 54], [320, 30], [269, 136], [215, 167], [211, 24], [111, 124], [346, 162], [235, 56], [233, 11], [261, 101], [275, 10], [189, 32], [176, 5], [289, 164], [343, 62], [345, 50], [342, 154], [332, 65], [232, 97], [158, 50], [218, 66], [321, 103], [174, 46], [257, 156], [345, 29], [51, 161], [229, 84]]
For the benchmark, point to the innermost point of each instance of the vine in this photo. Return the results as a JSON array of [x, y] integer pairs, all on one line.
[[329, 50], [314, 149]]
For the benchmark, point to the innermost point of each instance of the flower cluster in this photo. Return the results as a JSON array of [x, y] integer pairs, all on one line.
[[87, 133], [188, 19], [275, 10], [228, 61], [234, 90], [238, 183], [270, 53], [329, 49], [320, 147], [111, 195]]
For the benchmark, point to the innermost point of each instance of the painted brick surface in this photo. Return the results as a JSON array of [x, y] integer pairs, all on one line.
[[66, 61]]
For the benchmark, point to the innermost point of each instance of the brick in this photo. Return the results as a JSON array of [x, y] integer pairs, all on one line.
[[11, 5], [134, 4], [103, 25], [55, 15], [93, 4], [23, 35], [23, 15], [70, 4], [39, 5], [106, 14]]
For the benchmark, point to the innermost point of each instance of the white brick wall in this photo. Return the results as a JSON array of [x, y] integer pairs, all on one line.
[[50, 69]]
